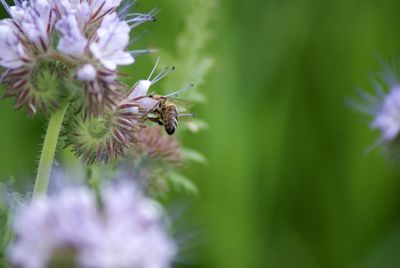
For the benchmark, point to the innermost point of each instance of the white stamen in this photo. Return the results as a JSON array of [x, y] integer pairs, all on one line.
[[154, 68], [142, 51], [176, 93], [166, 71], [137, 38], [6, 6]]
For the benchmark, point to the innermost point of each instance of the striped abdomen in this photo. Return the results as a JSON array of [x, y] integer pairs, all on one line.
[[170, 118]]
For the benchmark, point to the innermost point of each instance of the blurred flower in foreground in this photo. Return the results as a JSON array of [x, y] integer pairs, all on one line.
[[71, 229], [154, 159], [157, 161]]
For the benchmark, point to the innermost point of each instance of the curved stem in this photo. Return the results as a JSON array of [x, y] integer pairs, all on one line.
[[48, 151]]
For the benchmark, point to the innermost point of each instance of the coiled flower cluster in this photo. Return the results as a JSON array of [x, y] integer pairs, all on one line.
[[66, 52], [67, 44]]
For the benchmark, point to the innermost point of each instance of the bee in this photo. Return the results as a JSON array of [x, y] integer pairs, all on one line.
[[164, 110], [168, 110]]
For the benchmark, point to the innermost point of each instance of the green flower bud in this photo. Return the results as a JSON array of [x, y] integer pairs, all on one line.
[[103, 138], [38, 88]]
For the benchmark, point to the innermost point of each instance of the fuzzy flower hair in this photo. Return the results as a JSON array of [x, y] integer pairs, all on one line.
[[124, 231]]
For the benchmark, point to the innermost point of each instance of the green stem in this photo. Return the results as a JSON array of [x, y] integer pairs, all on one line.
[[48, 151], [93, 180]]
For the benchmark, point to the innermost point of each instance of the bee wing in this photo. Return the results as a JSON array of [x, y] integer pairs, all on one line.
[[183, 105]]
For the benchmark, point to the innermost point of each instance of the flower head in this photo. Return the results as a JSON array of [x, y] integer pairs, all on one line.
[[125, 231], [87, 38], [25, 40], [103, 138]]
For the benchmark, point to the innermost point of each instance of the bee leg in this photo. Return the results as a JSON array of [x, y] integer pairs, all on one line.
[[155, 120]]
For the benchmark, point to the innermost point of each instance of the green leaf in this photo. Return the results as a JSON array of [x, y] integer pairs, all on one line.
[[193, 155], [180, 182]]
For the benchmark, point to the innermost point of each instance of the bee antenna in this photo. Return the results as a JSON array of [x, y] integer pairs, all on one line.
[[166, 71], [142, 51], [176, 93], [140, 36], [154, 68]]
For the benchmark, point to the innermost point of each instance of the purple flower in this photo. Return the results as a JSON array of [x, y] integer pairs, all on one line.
[[387, 117], [72, 41], [13, 53], [35, 21], [124, 232], [111, 39], [92, 42]]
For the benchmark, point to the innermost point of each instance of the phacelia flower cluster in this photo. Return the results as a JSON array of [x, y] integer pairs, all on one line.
[[67, 52], [123, 230], [104, 138], [48, 48]]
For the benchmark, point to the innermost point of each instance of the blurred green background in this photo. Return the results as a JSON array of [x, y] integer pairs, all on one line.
[[288, 182]]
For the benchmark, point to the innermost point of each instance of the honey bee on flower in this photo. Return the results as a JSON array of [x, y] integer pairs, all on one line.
[[165, 110]]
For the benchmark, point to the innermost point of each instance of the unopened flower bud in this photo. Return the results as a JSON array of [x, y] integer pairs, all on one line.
[[153, 142], [87, 73]]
